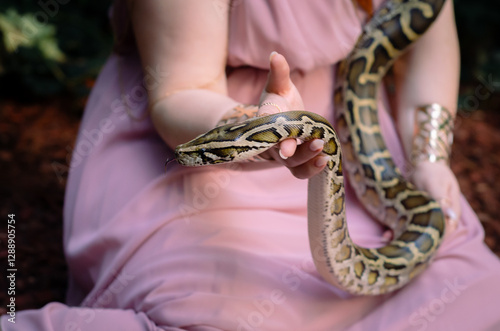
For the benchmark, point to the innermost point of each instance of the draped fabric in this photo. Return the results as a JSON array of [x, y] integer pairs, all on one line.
[[226, 247]]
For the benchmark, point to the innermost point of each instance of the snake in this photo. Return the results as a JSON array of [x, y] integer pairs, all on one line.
[[416, 220]]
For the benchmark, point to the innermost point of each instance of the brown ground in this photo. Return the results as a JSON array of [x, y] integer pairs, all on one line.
[[35, 142]]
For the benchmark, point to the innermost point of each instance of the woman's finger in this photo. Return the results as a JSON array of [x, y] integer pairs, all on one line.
[[278, 81], [279, 91], [453, 211], [290, 154], [310, 168], [305, 152], [287, 148]]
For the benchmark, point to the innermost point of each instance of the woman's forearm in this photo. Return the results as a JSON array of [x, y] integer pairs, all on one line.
[[189, 113], [428, 73]]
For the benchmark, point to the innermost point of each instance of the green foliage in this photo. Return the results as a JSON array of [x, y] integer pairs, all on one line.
[[52, 47], [20, 31]]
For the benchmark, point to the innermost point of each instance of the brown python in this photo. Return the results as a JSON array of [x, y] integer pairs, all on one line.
[[417, 221]]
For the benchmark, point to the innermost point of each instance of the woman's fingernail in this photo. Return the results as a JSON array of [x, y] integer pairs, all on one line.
[[321, 162], [273, 53], [450, 213], [317, 145], [282, 156]]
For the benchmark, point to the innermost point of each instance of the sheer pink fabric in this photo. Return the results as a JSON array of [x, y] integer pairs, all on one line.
[[226, 248]]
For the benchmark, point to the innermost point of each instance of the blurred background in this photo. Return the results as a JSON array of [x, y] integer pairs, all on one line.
[[50, 54]]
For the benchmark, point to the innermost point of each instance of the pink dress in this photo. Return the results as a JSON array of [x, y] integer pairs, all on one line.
[[226, 247]]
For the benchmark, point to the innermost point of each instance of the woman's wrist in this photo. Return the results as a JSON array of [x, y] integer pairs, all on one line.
[[184, 115], [239, 113]]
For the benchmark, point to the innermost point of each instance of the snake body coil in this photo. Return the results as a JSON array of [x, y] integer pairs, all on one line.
[[417, 220]]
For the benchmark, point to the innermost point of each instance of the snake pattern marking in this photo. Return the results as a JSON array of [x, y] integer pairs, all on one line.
[[417, 221]]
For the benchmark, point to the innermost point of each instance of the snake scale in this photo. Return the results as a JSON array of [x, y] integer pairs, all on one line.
[[417, 221]]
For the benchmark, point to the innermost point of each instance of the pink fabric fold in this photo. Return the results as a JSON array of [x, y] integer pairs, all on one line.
[[226, 248]]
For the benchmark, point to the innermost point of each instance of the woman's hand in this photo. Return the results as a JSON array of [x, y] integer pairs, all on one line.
[[438, 180], [280, 94]]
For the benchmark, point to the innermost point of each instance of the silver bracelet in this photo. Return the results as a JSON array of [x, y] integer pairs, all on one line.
[[433, 135]]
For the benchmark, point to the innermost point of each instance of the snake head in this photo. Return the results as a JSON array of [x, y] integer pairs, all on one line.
[[201, 153], [189, 159], [220, 145]]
